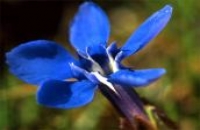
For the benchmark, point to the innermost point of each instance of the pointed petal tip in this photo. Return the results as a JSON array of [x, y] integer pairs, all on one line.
[[86, 4], [162, 71], [167, 9], [166, 12]]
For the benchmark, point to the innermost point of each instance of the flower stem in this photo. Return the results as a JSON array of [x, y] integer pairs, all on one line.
[[129, 105]]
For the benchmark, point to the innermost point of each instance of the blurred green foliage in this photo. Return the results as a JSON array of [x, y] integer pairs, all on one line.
[[177, 93]]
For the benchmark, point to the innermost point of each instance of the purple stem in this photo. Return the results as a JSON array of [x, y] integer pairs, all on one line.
[[128, 103]]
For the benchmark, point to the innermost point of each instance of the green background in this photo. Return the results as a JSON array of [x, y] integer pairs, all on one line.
[[177, 49]]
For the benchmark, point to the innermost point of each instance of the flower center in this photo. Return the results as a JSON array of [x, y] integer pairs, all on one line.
[[105, 64], [96, 67]]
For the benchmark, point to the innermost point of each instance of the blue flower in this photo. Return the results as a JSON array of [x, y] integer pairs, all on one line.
[[67, 82]]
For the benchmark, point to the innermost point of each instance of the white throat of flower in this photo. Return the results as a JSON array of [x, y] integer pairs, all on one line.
[[97, 73], [112, 63], [104, 80]]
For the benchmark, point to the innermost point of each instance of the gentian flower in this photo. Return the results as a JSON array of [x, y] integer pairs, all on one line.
[[67, 82]]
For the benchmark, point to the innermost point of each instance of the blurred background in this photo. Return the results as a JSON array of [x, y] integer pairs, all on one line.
[[177, 49]]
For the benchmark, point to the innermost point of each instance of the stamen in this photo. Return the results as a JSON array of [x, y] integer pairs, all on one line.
[[104, 81], [112, 62]]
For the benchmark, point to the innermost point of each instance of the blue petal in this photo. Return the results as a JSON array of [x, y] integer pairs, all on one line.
[[63, 94], [136, 78], [89, 28], [147, 31], [39, 60], [81, 74]]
